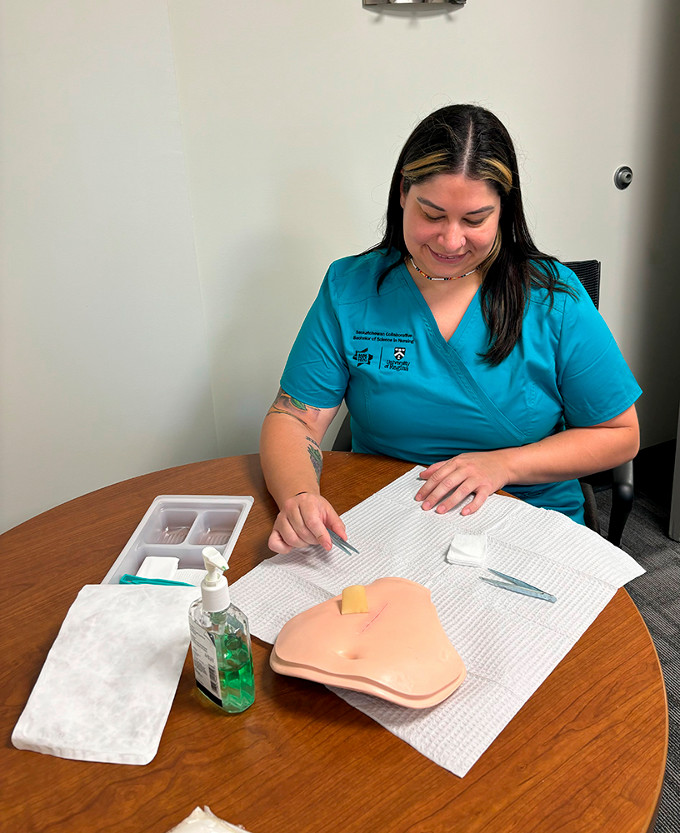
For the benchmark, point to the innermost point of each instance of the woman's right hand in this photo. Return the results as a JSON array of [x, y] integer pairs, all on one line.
[[303, 521]]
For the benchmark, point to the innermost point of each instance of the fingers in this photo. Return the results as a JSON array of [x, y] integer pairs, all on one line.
[[297, 530], [456, 497], [430, 470], [450, 482], [319, 516], [441, 480], [277, 544], [477, 501], [303, 521]]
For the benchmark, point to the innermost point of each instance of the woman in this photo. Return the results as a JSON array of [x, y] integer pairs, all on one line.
[[456, 344]]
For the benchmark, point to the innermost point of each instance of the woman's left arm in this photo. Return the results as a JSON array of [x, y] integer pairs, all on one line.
[[569, 454]]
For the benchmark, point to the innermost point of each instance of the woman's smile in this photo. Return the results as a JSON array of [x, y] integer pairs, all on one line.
[[446, 258]]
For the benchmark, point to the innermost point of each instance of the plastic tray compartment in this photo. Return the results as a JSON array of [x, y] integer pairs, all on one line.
[[180, 526]]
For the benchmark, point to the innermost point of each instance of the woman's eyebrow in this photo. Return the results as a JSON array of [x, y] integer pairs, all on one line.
[[424, 201]]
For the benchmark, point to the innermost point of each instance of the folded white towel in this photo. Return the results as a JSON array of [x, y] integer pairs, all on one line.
[[105, 690]]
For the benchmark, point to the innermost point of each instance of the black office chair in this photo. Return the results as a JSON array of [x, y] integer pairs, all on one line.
[[619, 479]]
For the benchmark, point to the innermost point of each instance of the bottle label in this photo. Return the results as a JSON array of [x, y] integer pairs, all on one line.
[[205, 663]]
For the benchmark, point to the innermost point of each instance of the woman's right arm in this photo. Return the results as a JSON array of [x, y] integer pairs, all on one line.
[[291, 457]]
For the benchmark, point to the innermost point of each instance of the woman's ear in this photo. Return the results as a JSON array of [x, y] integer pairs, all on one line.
[[402, 194]]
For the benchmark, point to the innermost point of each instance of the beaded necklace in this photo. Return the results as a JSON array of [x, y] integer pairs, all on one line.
[[430, 278]]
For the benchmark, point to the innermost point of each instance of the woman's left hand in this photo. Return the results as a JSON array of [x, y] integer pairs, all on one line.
[[478, 473]]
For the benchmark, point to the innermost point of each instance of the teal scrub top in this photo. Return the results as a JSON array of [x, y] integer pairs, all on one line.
[[417, 397]]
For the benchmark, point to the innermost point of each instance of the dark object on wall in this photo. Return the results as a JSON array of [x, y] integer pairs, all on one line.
[[412, 3], [623, 176]]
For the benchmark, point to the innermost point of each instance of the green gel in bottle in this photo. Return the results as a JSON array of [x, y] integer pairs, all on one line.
[[220, 641]]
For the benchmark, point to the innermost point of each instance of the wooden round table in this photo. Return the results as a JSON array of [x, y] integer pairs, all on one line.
[[586, 752]]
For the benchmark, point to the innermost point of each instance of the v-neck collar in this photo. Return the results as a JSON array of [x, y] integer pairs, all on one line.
[[469, 315]]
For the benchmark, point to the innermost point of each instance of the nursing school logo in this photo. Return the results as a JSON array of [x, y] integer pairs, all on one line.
[[397, 363], [362, 357]]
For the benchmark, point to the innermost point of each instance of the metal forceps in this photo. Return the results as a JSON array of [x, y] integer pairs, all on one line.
[[514, 585], [345, 546]]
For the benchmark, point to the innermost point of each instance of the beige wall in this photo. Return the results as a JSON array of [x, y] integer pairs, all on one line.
[[104, 360], [177, 177]]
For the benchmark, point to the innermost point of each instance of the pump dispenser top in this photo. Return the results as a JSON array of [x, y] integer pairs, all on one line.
[[215, 587]]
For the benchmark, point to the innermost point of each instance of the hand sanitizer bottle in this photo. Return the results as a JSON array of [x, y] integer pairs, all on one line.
[[220, 641]]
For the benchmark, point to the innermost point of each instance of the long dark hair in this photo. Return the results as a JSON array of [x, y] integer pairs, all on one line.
[[469, 140]]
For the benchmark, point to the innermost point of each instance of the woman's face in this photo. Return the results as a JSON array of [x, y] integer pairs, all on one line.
[[450, 223]]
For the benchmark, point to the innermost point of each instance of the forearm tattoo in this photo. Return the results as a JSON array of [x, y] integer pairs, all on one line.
[[287, 405], [315, 456]]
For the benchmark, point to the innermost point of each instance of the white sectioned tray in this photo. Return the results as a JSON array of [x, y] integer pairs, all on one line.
[[180, 526]]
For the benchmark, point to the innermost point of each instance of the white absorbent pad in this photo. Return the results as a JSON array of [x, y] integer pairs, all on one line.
[[508, 642], [106, 688]]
